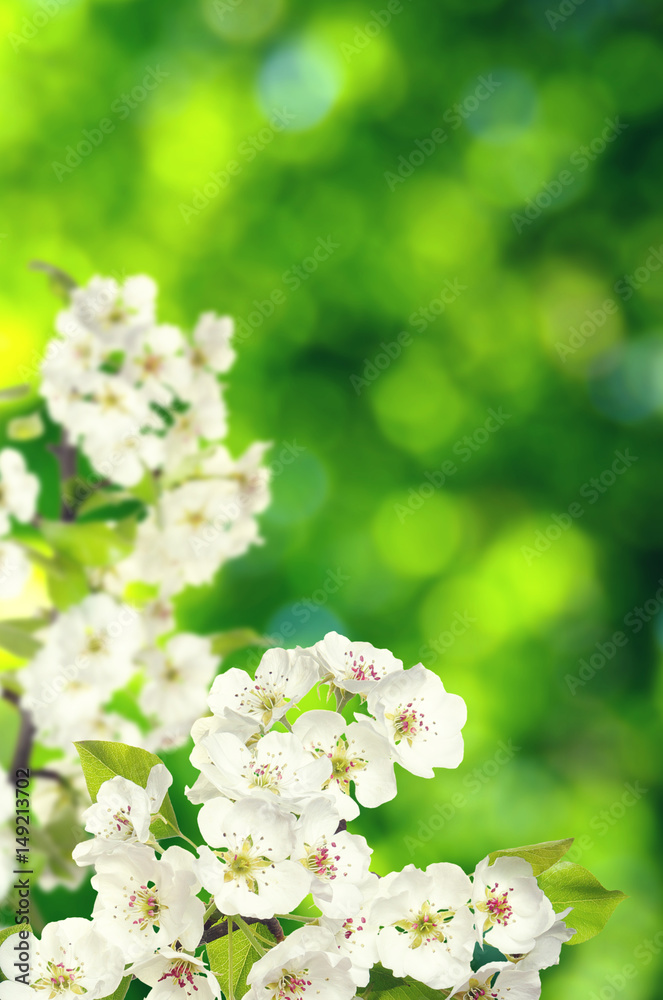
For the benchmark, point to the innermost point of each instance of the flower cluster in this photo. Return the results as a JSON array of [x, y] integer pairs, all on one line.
[[276, 792], [19, 490], [95, 649], [152, 502], [143, 402]]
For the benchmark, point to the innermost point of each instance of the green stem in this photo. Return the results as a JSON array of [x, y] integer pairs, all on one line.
[[231, 989], [249, 935], [296, 916], [184, 837], [342, 699]]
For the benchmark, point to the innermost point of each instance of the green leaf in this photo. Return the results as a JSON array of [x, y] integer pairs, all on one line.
[[66, 581], [25, 428], [540, 856], [28, 625], [121, 991], [106, 504], [244, 956], [15, 637], [7, 932], [14, 392], [103, 760], [568, 884], [93, 544], [383, 985], [224, 643], [146, 490]]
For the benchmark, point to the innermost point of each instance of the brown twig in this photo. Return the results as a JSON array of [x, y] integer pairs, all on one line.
[[219, 930]]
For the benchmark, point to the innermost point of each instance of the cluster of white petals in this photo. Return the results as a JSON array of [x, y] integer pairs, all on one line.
[[19, 490], [95, 649], [275, 793], [143, 421], [142, 401]]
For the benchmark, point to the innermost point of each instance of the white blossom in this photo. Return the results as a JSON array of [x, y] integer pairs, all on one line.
[[250, 871], [123, 454], [249, 476], [356, 936], [305, 965], [242, 726], [353, 666], [548, 946], [143, 903], [359, 755], [71, 959], [122, 814], [277, 765], [175, 974], [178, 677], [428, 929], [511, 910], [154, 361], [511, 983], [114, 313], [18, 489], [14, 570], [211, 343], [421, 721], [87, 653], [337, 861], [282, 678]]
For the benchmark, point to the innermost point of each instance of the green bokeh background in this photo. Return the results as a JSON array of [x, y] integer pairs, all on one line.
[[357, 499]]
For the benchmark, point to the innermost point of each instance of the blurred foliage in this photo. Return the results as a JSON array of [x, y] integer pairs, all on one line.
[[334, 175]]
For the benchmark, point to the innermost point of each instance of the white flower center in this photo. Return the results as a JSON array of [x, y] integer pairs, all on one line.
[[181, 974], [497, 907], [352, 926], [426, 926], [344, 765], [408, 723], [320, 860], [145, 906], [267, 776], [243, 864], [291, 984], [60, 979], [358, 668]]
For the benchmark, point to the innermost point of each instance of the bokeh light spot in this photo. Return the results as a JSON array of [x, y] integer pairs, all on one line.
[[242, 20], [304, 78], [417, 533], [506, 104], [627, 385]]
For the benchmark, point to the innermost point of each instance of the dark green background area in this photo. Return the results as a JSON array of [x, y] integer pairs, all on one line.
[[535, 221]]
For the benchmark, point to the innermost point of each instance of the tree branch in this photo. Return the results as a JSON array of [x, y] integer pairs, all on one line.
[[213, 932]]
